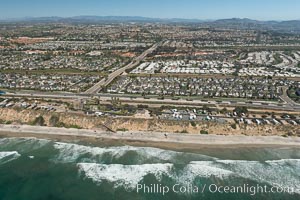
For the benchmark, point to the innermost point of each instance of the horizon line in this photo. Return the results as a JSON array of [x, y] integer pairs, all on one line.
[[161, 18]]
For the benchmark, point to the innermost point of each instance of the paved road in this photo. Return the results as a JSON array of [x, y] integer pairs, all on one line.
[[105, 81], [287, 99], [285, 96]]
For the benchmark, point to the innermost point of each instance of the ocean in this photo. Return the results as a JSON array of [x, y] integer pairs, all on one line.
[[39, 169]]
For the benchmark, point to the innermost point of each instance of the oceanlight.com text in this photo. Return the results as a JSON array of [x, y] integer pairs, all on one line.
[[213, 188]]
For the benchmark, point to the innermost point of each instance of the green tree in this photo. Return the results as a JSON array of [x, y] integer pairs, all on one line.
[[39, 121]]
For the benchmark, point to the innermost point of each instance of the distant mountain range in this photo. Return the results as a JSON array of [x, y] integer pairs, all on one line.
[[90, 19], [286, 26]]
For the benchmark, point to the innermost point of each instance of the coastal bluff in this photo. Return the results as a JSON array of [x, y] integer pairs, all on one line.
[[15, 116]]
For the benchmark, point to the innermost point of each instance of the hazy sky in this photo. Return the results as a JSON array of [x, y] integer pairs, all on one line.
[[200, 9]]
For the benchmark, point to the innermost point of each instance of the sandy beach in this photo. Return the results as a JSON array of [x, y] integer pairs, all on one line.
[[156, 139]]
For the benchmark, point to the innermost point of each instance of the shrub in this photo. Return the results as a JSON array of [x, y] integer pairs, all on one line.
[[142, 106], [39, 121], [122, 129], [184, 131], [240, 110], [61, 124], [54, 121], [204, 132], [73, 126], [224, 111], [233, 126], [193, 124]]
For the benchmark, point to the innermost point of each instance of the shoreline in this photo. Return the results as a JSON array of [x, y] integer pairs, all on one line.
[[150, 139], [135, 124]]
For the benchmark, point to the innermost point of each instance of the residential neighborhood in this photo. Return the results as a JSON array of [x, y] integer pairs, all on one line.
[[261, 88]]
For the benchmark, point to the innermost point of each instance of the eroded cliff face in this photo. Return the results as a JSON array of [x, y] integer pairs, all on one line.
[[134, 124], [18, 116]]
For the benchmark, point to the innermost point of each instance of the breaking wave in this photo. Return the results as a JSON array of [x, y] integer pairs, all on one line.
[[127, 176], [138, 155], [8, 156], [284, 173], [126, 166]]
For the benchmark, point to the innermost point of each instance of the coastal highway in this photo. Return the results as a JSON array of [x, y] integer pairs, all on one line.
[[264, 105], [107, 80]]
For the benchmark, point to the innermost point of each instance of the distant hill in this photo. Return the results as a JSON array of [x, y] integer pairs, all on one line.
[[283, 26], [238, 23], [237, 20], [99, 19]]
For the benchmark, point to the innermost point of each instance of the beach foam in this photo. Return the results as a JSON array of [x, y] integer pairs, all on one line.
[[101, 164], [23, 144], [274, 173], [8, 156], [127, 176], [204, 169], [77, 153], [284, 173], [131, 164], [139, 155]]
